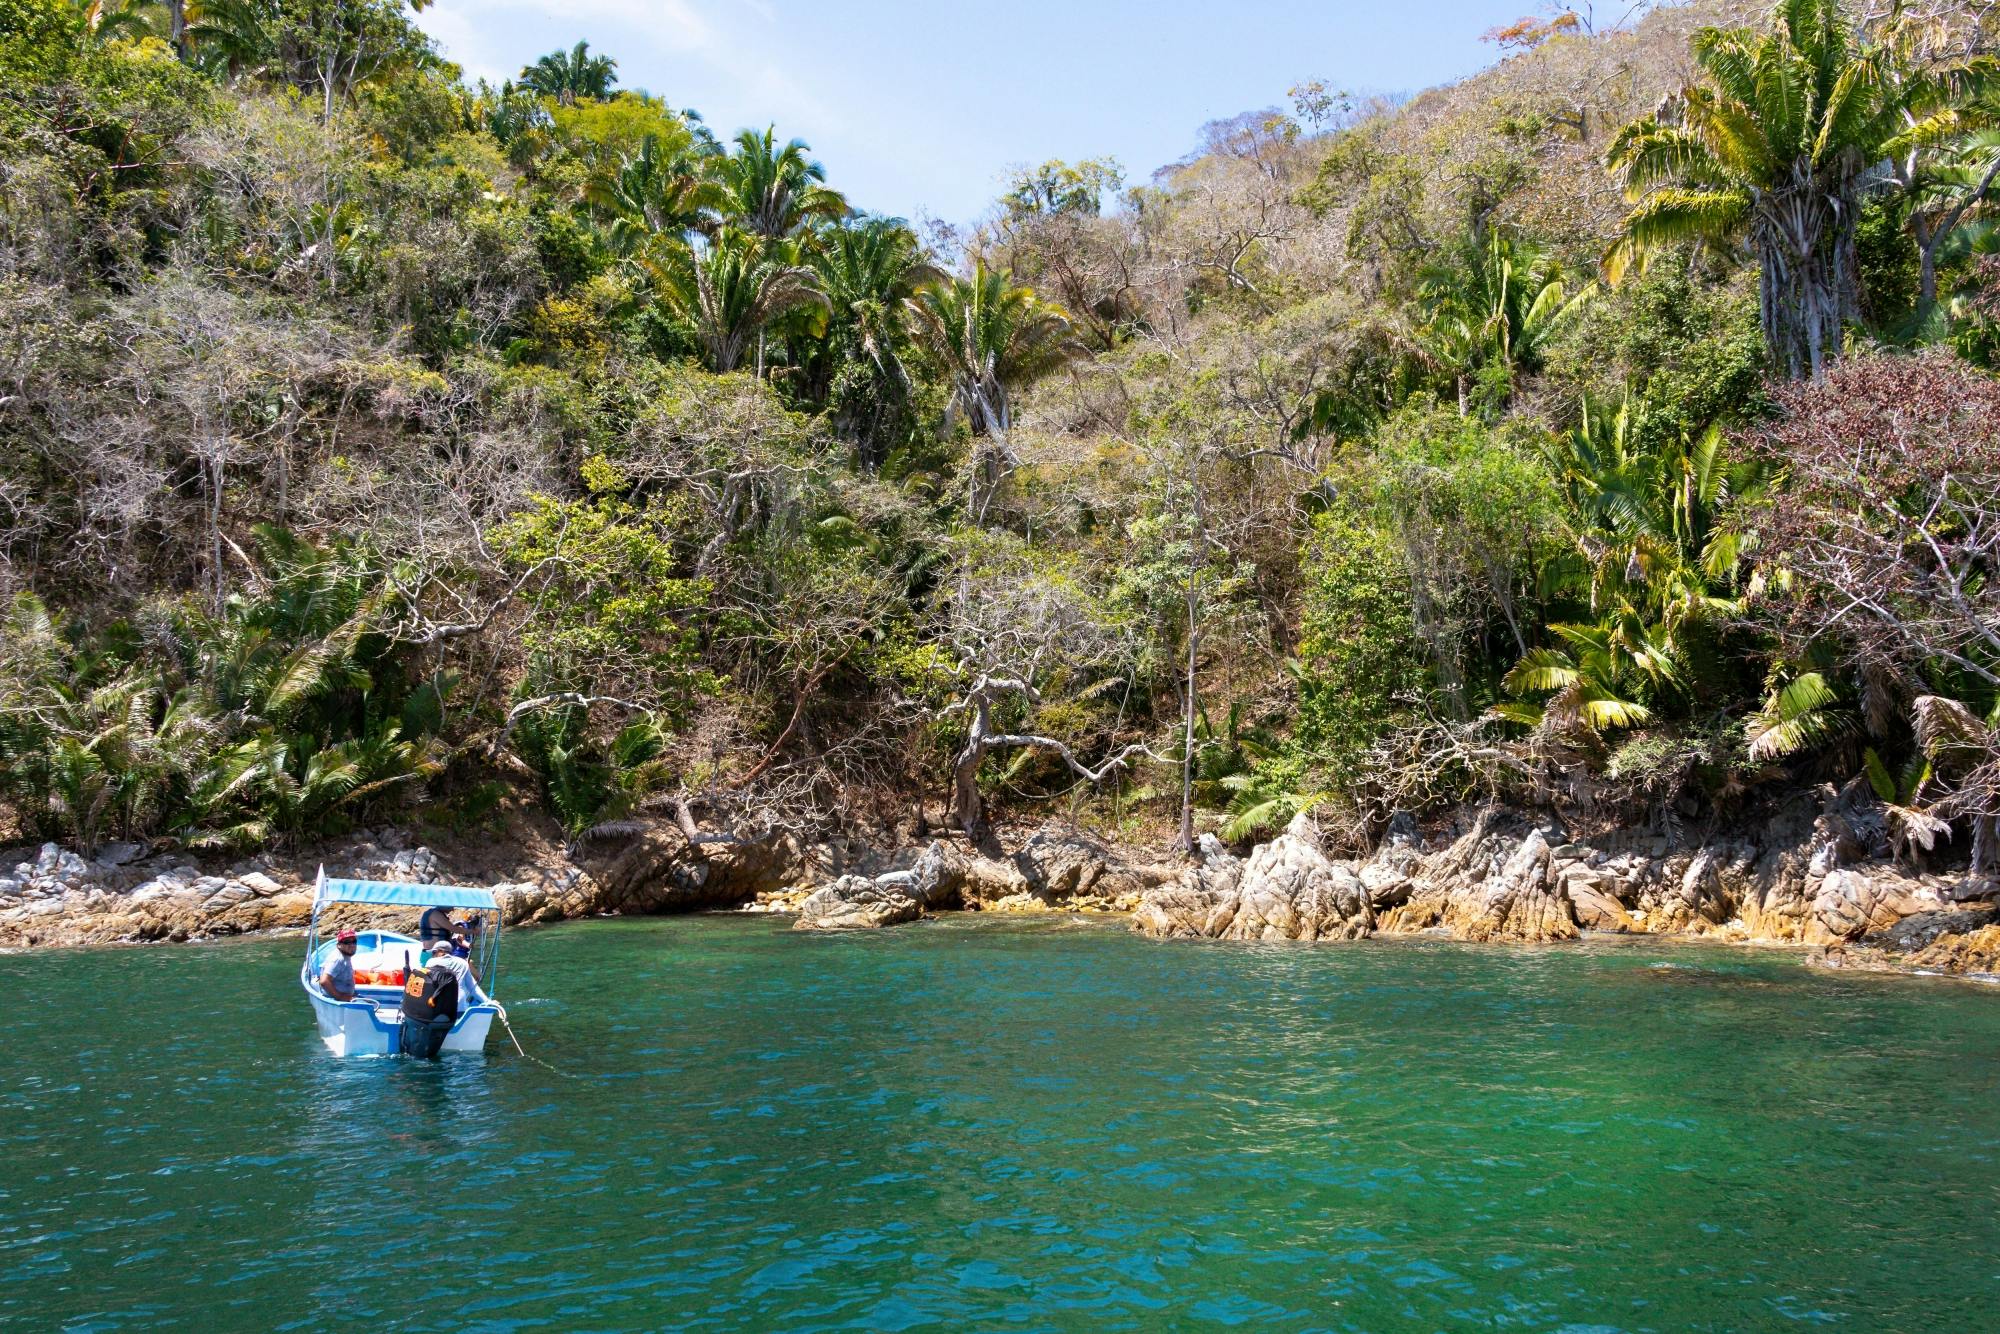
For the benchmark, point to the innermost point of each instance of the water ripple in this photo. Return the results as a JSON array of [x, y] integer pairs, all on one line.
[[1001, 1125]]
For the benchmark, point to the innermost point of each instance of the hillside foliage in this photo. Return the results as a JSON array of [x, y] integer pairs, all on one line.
[[379, 447]]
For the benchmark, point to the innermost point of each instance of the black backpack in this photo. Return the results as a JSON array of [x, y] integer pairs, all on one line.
[[431, 995]]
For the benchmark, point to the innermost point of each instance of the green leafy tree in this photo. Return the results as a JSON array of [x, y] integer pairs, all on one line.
[[1359, 659], [868, 268], [773, 190], [1057, 187], [730, 288], [987, 335], [1773, 148], [571, 76]]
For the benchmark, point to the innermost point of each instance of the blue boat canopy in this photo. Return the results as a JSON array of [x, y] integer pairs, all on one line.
[[405, 896]]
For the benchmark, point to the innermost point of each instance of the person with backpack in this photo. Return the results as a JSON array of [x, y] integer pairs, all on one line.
[[432, 1000]]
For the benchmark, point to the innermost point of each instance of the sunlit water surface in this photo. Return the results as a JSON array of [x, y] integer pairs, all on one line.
[[990, 1125]]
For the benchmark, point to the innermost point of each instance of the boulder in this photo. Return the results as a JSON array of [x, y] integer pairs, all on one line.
[[1490, 885], [1386, 883], [227, 897], [414, 866], [662, 870], [1593, 900], [1854, 902], [263, 886], [1287, 890], [120, 854], [1200, 904], [1062, 866], [854, 901], [520, 902], [58, 863]]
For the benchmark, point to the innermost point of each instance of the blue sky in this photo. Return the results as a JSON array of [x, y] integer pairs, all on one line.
[[921, 106]]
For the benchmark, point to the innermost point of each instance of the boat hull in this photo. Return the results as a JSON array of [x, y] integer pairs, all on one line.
[[368, 1028], [371, 1023]]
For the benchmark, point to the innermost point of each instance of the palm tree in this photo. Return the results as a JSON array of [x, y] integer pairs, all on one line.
[[230, 37], [1953, 188], [660, 191], [1774, 148], [570, 75], [105, 20], [986, 334], [1495, 308], [1658, 566], [774, 190], [868, 268], [730, 288]]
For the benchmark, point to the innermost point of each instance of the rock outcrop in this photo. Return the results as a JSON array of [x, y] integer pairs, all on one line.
[[1056, 869], [1489, 887], [855, 901], [1066, 868], [124, 896], [1810, 876], [1815, 873], [661, 869], [1286, 890]]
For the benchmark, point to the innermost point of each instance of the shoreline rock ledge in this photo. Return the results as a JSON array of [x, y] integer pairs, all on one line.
[[1819, 878]]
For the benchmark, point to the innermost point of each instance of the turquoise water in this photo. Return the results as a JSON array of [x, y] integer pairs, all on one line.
[[993, 1125]]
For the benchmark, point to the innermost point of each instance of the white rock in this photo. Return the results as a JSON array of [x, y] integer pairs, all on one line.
[[227, 897], [415, 866], [54, 862], [263, 886]]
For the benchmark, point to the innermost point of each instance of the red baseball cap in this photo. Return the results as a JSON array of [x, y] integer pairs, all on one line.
[[346, 935]]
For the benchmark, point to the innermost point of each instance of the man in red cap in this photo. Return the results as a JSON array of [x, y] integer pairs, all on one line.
[[337, 978]]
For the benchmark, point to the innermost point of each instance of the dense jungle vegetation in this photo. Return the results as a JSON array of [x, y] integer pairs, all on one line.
[[1615, 429]]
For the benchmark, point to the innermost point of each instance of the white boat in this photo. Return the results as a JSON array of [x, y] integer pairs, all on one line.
[[370, 1024]]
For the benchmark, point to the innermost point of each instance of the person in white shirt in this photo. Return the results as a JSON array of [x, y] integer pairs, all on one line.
[[443, 955]]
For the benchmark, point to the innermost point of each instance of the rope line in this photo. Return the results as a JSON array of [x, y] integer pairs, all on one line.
[[524, 1055]]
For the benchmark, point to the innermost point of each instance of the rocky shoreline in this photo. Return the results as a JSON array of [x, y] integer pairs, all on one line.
[[1813, 877]]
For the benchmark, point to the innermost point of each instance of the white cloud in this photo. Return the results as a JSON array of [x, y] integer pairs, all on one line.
[[483, 36], [491, 39]]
